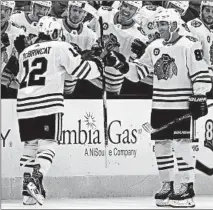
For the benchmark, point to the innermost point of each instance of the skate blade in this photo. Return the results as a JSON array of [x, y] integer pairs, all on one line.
[[187, 203], [35, 193], [162, 203], [28, 200]]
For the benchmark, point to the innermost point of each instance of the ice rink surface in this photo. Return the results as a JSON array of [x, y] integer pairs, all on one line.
[[107, 203]]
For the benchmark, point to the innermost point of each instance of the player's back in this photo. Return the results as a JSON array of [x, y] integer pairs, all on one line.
[[42, 80]]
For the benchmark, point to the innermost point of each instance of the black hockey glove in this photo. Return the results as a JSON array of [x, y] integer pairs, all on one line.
[[88, 55], [5, 42], [138, 47], [19, 43], [198, 106], [116, 60]]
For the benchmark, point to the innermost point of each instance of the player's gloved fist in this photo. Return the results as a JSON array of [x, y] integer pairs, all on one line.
[[19, 43], [198, 106], [88, 55], [116, 60], [5, 40], [138, 47]]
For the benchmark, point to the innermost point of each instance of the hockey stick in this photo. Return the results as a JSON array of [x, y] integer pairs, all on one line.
[[104, 95], [148, 128]]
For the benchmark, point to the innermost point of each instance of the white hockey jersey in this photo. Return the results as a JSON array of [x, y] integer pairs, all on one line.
[[205, 36], [84, 38], [179, 71], [125, 36], [12, 31], [22, 19], [42, 73]]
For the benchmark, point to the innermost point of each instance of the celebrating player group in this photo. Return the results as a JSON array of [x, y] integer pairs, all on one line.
[[58, 49]]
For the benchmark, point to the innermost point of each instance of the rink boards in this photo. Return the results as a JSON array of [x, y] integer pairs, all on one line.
[[127, 169]]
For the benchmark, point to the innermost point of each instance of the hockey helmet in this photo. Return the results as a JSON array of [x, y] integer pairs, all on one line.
[[180, 6], [50, 26]]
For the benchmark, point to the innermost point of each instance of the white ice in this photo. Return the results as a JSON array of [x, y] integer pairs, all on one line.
[[107, 203]]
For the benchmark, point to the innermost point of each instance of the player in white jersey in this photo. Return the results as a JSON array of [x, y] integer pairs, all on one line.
[[121, 24], [9, 32], [28, 21], [42, 70], [202, 28], [181, 81], [77, 33]]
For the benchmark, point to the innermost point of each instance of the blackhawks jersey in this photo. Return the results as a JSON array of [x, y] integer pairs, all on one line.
[[205, 36], [10, 31], [179, 71], [125, 36], [22, 19], [41, 76], [84, 38]]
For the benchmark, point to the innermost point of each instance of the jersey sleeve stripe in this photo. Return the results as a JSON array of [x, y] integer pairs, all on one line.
[[85, 76], [198, 73], [40, 97]]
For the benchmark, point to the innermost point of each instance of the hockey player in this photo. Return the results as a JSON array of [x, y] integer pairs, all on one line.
[[76, 32], [202, 29], [181, 81], [9, 32], [121, 24], [42, 69], [28, 21]]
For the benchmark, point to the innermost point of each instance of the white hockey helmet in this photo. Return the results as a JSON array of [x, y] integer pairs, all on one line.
[[180, 6], [205, 4], [47, 4], [9, 4], [50, 26], [137, 4], [169, 15], [80, 4]]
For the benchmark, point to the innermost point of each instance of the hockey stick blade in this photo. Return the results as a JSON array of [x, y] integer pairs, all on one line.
[[148, 128]]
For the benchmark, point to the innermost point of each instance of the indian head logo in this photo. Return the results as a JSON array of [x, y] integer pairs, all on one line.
[[165, 67]]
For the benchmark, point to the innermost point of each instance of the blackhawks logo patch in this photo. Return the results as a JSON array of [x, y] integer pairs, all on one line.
[[165, 67], [196, 23]]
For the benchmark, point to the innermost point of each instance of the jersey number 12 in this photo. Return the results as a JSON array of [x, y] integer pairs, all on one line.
[[32, 80]]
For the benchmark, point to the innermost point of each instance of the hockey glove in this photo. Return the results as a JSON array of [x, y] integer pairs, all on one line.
[[198, 106], [138, 47], [19, 43], [88, 55], [116, 60], [5, 42]]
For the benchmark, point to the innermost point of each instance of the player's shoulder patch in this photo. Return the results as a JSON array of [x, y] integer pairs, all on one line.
[[16, 25], [196, 23], [17, 12], [192, 39], [107, 8], [151, 7]]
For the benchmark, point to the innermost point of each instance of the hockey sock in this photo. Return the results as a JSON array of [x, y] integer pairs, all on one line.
[[45, 155], [185, 160], [165, 160], [27, 160]]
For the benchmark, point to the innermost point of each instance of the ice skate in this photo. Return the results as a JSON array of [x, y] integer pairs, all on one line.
[[183, 198], [27, 198], [35, 186], [162, 197]]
